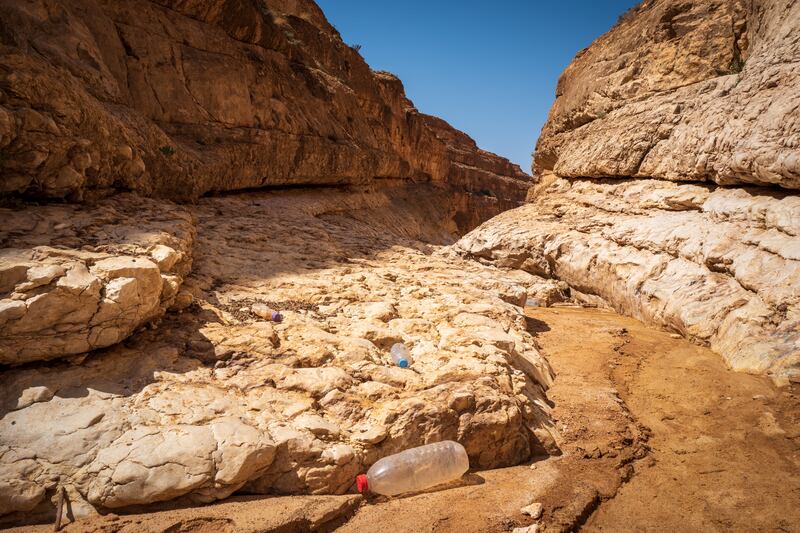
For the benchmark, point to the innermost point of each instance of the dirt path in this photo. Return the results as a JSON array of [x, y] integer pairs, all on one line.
[[657, 436], [725, 446]]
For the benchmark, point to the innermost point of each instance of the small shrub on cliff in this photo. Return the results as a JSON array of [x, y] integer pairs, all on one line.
[[737, 63], [486, 192], [167, 150], [356, 47], [627, 15]]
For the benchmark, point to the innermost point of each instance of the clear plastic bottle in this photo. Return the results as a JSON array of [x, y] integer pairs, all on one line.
[[400, 355], [415, 469], [266, 313]]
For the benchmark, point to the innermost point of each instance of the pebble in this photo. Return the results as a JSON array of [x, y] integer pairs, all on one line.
[[533, 510]]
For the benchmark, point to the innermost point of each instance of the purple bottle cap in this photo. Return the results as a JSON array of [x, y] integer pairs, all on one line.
[[276, 316]]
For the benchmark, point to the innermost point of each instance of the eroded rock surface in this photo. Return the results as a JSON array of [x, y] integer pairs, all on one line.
[[700, 90], [703, 91], [719, 266], [74, 279], [177, 99], [217, 399]]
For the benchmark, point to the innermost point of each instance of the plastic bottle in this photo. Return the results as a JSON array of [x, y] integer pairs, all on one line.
[[415, 469], [400, 355], [266, 313]]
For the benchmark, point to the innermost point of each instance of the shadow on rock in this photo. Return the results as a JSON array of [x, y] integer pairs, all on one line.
[[534, 325]]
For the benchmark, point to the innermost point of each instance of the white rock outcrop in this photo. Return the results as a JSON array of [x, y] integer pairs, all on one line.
[[217, 399], [719, 266], [74, 279]]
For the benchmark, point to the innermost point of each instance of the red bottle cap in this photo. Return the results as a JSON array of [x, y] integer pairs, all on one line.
[[362, 484]]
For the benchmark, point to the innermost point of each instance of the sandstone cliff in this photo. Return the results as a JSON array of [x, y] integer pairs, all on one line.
[[700, 90], [177, 99], [703, 91]]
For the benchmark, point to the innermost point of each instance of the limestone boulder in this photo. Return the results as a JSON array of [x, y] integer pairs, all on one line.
[[75, 279], [698, 90]]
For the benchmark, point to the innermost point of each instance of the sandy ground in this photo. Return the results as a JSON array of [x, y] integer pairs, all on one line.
[[724, 446], [657, 435]]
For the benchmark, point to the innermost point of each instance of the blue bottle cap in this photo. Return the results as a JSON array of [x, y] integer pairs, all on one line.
[[402, 363]]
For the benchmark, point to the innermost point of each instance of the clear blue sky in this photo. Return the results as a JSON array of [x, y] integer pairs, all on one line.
[[489, 67]]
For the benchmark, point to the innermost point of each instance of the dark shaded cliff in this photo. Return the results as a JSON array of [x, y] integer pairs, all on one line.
[[180, 98]]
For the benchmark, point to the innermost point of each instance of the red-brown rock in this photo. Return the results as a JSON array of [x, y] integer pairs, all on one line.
[[180, 98]]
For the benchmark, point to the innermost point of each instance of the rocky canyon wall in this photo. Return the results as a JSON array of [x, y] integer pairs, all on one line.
[[175, 100], [685, 91], [215, 398], [703, 91], [181, 98], [140, 262]]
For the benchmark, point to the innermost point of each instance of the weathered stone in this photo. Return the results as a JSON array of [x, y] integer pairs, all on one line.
[[73, 287], [178, 99], [696, 90], [164, 256], [718, 266], [216, 400], [533, 510], [34, 394]]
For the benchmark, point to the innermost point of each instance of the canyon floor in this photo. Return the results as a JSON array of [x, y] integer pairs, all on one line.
[[175, 173], [657, 435]]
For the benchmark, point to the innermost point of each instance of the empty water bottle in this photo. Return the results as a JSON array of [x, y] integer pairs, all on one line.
[[400, 355], [415, 469], [266, 313]]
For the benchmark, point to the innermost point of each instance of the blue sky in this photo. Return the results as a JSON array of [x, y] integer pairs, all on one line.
[[487, 67]]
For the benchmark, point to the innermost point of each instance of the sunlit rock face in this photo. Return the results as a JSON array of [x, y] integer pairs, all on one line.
[[214, 398], [719, 266], [139, 364], [698, 90], [178, 99]]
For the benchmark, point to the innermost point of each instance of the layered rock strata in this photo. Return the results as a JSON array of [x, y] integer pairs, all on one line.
[[216, 399], [171, 384], [181, 99], [75, 279], [719, 266], [700, 90], [178, 99]]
